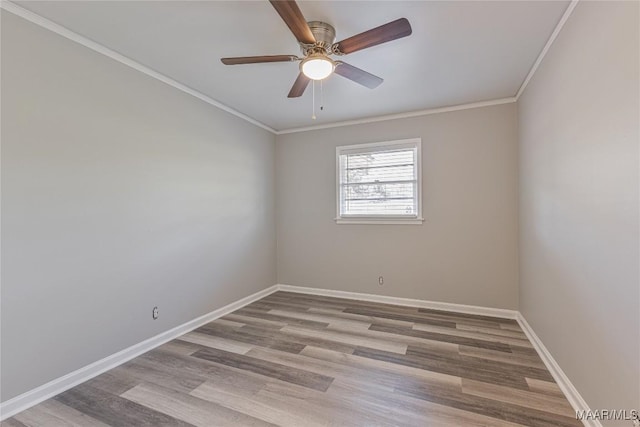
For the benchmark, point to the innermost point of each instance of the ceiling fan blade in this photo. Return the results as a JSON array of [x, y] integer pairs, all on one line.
[[299, 86], [357, 75], [382, 34], [258, 59], [291, 15]]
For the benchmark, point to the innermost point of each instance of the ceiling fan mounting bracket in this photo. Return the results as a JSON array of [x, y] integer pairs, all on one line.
[[335, 49], [314, 50]]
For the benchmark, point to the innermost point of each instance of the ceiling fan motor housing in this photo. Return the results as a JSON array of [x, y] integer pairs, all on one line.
[[324, 34]]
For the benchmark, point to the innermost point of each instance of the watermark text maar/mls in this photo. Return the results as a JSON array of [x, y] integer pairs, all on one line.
[[609, 415]]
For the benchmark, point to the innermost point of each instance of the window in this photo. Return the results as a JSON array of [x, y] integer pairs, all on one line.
[[379, 183]]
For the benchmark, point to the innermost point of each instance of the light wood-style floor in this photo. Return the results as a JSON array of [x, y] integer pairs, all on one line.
[[300, 360]]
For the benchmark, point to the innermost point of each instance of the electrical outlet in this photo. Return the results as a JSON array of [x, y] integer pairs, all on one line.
[[380, 280], [154, 313]]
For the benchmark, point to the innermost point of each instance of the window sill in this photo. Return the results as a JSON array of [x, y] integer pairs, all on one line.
[[380, 221]]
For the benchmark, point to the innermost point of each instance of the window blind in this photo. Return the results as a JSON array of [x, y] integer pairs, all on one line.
[[379, 181]]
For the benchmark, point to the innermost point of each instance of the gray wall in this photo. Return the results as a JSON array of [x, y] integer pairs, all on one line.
[[465, 252], [579, 203], [119, 193]]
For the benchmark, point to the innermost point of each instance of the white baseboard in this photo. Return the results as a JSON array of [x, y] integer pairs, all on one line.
[[408, 302], [54, 387], [570, 392]]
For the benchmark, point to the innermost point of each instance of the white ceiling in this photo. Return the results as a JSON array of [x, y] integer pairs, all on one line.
[[460, 51]]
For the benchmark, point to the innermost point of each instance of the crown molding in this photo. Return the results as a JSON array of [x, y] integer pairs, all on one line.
[[545, 49], [401, 115], [97, 47]]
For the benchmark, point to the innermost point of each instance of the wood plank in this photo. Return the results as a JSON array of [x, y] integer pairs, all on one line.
[[546, 387], [501, 356], [113, 381], [420, 317], [114, 410], [445, 364], [310, 403], [256, 407], [452, 317], [347, 338], [189, 408], [268, 306], [331, 320], [313, 407], [308, 301], [437, 336], [477, 317], [390, 337], [178, 346], [436, 316], [244, 383], [227, 322], [54, 413], [340, 314], [253, 336], [410, 411], [216, 342], [493, 331], [489, 407], [12, 422], [304, 362], [398, 316], [362, 366], [480, 336], [542, 402], [467, 363], [277, 339], [511, 326], [248, 312], [147, 369], [382, 381], [446, 416], [524, 350], [255, 321], [268, 369]]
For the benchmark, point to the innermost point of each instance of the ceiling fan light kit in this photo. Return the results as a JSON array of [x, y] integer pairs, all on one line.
[[317, 42], [317, 66]]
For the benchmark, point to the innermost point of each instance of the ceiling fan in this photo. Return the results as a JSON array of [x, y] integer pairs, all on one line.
[[317, 41]]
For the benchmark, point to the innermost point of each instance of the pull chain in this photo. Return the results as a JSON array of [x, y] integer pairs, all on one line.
[[313, 99], [321, 97]]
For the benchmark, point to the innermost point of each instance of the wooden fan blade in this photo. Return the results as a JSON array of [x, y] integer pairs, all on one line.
[[357, 75], [291, 15], [258, 59], [382, 34], [299, 86]]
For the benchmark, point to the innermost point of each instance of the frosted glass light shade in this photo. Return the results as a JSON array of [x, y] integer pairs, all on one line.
[[317, 68]]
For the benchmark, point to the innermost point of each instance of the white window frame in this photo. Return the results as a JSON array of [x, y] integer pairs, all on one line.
[[380, 219]]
